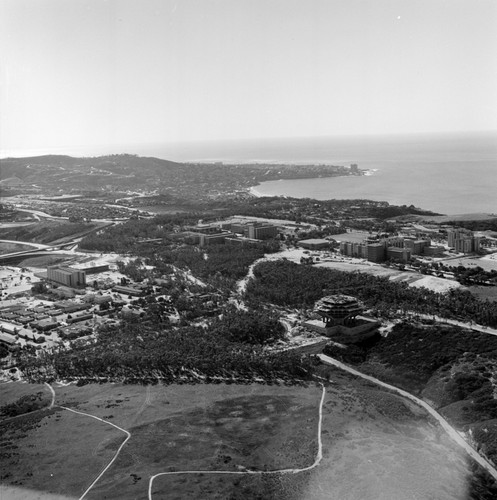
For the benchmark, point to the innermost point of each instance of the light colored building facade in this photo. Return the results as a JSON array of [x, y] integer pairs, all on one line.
[[378, 250], [463, 240], [68, 276]]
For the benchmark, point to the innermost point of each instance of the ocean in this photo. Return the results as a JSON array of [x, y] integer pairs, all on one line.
[[446, 173]]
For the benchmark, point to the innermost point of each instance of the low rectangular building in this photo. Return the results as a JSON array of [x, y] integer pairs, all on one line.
[[70, 307], [214, 238], [433, 251], [95, 269], [128, 290], [79, 317], [314, 244], [398, 254], [44, 325], [7, 339]]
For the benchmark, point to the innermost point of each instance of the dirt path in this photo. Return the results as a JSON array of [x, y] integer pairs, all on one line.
[[104, 470], [319, 457], [290, 254], [53, 395], [471, 326], [453, 434]]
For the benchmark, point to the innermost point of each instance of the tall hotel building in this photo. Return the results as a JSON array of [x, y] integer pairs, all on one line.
[[68, 276], [463, 240]]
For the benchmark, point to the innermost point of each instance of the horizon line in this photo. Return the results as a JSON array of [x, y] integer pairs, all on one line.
[[6, 154]]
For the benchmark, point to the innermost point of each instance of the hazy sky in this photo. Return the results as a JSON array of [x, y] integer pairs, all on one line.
[[114, 72]]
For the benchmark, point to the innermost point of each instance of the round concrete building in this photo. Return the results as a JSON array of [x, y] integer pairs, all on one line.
[[338, 310]]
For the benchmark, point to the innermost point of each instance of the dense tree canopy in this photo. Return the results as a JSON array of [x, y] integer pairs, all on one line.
[[249, 326], [134, 352], [287, 284]]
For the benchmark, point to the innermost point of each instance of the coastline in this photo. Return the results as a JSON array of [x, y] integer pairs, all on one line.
[[438, 187], [253, 191]]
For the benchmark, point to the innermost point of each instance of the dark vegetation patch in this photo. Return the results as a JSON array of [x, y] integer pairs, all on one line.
[[243, 487], [220, 265], [135, 353], [288, 284], [245, 431], [485, 434], [45, 231], [25, 404], [481, 486], [453, 368]]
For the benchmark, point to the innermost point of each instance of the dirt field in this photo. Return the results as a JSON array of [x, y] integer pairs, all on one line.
[[375, 445], [488, 262]]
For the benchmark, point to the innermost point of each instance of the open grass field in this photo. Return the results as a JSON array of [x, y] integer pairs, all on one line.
[[376, 445], [381, 446], [55, 451]]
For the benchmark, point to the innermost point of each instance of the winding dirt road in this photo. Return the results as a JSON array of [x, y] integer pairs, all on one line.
[[104, 470], [453, 434]]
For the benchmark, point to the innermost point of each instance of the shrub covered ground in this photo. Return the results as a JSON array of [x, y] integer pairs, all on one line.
[[393, 451], [453, 368]]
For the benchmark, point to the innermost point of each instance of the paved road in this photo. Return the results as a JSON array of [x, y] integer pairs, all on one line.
[[446, 426], [455, 322]]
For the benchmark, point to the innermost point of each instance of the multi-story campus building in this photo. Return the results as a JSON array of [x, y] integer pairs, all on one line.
[[208, 234], [261, 230], [255, 229], [463, 240], [68, 276], [212, 238], [395, 248]]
